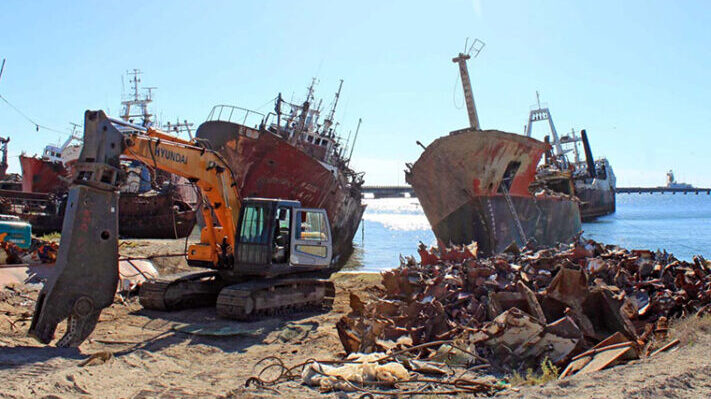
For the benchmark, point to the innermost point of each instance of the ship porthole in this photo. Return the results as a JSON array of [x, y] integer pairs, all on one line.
[[105, 235]]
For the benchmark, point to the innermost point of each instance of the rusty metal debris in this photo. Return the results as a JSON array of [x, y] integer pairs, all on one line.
[[585, 305], [18, 266], [40, 251], [378, 374]]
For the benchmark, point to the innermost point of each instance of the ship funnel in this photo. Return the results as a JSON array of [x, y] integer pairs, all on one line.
[[588, 153]]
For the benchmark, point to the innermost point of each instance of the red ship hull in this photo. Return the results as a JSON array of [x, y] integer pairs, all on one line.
[[41, 176], [266, 165], [147, 215]]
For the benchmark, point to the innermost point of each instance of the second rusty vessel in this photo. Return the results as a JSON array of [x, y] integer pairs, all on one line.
[[485, 186]]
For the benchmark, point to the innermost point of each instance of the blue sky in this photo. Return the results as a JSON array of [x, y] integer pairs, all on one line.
[[635, 74]]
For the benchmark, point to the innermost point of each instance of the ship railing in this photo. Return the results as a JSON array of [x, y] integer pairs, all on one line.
[[234, 114]]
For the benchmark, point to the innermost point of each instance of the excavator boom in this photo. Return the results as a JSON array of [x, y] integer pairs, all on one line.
[[86, 275]]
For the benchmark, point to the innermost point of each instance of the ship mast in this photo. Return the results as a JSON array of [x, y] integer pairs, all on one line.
[[354, 140], [137, 101], [575, 146], [3, 149], [304, 111], [331, 114], [310, 94], [179, 127], [461, 59], [541, 114]]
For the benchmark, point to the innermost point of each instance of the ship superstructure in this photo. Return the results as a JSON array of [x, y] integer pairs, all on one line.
[[594, 180], [672, 183], [292, 153]]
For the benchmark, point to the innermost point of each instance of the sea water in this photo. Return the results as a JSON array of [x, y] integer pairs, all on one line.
[[680, 224]]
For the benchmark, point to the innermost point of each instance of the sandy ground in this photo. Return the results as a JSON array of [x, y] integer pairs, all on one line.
[[685, 373], [160, 355]]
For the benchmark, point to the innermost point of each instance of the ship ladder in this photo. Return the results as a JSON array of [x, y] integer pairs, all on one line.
[[514, 214]]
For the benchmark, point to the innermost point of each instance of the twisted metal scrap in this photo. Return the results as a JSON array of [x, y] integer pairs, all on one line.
[[458, 385]]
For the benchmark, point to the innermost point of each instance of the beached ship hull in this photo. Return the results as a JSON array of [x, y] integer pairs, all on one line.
[[147, 215], [154, 215], [597, 195], [266, 165], [162, 214], [41, 176], [595, 202], [463, 180]]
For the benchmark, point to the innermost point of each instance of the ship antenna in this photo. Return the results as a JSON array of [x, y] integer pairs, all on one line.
[[575, 146], [74, 129], [310, 94], [187, 127], [2, 68], [538, 98], [305, 111], [355, 137], [277, 109], [345, 147], [473, 51], [331, 114]]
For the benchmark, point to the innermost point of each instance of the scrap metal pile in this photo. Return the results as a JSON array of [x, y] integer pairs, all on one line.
[[583, 306], [40, 251]]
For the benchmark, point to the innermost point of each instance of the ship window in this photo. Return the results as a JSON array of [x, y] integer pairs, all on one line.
[[253, 221], [310, 139], [509, 175]]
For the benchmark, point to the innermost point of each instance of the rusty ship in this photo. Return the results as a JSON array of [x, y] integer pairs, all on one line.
[[593, 179], [154, 209], [153, 204], [292, 153], [486, 186]]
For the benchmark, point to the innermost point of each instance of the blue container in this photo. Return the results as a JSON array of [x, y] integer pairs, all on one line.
[[18, 231]]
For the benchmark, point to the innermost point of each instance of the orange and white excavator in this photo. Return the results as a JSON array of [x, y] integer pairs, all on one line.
[[264, 255]]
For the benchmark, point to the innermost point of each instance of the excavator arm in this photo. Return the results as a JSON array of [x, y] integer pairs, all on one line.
[[86, 271], [210, 173]]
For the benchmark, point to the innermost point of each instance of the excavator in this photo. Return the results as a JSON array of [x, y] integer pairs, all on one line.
[[262, 256]]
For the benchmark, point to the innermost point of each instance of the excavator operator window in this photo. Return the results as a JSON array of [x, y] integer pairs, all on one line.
[[253, 226]]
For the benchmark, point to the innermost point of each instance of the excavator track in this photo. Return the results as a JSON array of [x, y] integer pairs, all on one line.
[[181, 291], [255, 299]]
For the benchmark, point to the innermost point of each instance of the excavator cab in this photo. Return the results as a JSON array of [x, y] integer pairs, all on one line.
[[279, 237]]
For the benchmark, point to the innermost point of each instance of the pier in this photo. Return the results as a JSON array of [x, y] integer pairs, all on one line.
[[402, 191], [662, 190]]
